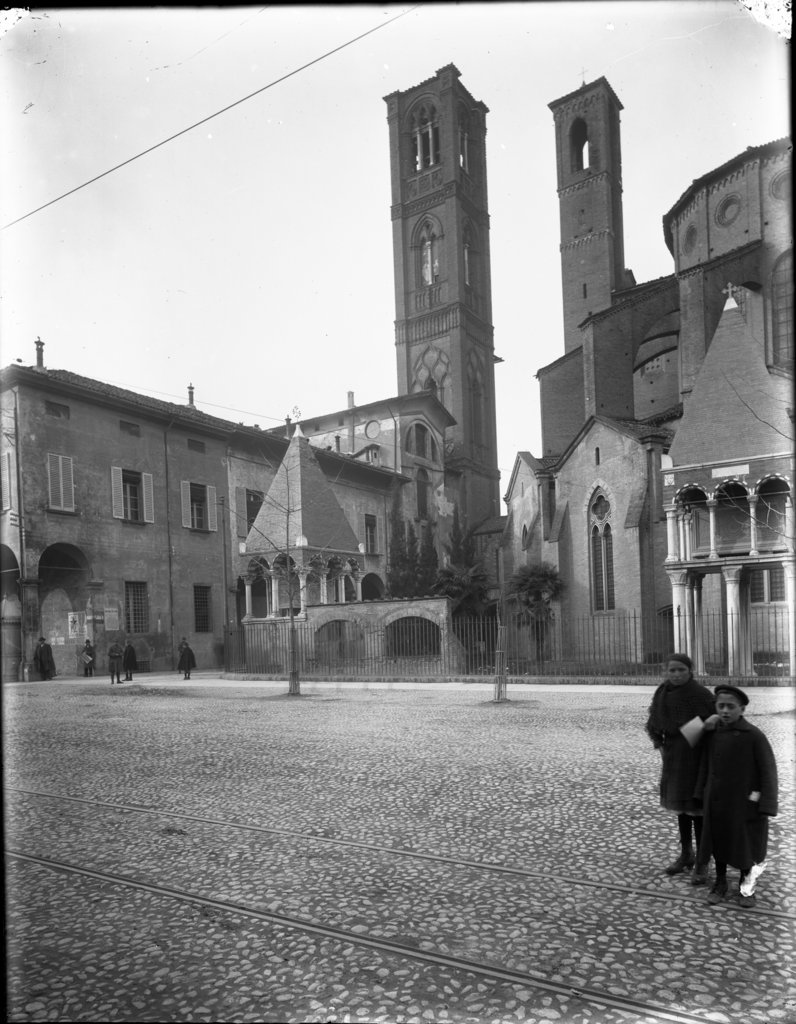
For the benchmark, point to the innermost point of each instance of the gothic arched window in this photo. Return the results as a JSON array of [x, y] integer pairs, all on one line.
[[464, 140], [429, 255], [602, 554], [782, 312], [425, 137], [470, 275], [423, 487], [579, 143]]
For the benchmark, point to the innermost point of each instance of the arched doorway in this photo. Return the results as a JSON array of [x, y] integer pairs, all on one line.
[[65, 609], [10, 615]]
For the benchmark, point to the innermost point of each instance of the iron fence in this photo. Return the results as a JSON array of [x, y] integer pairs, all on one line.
[[611, 645]]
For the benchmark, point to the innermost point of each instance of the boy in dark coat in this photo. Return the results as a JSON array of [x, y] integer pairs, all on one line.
[[737, 783]]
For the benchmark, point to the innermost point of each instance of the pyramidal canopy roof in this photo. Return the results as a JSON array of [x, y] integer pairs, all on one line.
[[300, 509], [737, 407]]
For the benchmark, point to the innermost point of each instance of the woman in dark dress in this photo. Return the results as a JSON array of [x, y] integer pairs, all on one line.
[[678, 700]]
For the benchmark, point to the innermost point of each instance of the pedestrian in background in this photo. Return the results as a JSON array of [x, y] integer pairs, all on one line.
[[88, 654], [680, 701], [115, 656], [187, 661], [129, 661], [43, 659], [738, 784]]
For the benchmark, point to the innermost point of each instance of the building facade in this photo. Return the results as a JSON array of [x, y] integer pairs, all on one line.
[[664, 489]]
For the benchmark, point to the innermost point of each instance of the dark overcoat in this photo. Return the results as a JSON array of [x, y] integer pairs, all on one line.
[[187, 660], [671, 707], [44, 661], [129, 660], [737, 760]]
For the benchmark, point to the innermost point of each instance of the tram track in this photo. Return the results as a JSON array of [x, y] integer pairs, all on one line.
[[648, 1010], [307, 837]]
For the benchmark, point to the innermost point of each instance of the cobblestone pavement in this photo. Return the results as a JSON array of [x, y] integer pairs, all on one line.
[[249, 856]]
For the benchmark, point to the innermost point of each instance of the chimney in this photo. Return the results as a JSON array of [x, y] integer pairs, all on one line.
[[39, 354], [190, 394], [288, 431], [350, 399], [337, 442]]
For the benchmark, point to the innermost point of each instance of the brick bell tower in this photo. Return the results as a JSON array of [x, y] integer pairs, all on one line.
[[443, 293], [589, 165]]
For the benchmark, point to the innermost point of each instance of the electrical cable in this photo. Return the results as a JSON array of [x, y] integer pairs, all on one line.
[[210, 117]]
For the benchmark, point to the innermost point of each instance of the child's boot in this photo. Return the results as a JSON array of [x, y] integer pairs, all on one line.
[[684, 861]]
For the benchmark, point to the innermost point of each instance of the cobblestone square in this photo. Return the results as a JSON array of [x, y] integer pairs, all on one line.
[[215, 850]]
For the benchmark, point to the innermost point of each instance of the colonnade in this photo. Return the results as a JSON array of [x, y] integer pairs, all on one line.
[[338, 582]]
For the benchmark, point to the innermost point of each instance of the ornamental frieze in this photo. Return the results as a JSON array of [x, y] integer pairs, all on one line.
[[578, 186], [578, 243], [576, 106], [424, 202]]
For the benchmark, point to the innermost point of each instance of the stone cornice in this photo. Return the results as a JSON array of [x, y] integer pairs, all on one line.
[[718, 261], [578, 186], [578, 243]]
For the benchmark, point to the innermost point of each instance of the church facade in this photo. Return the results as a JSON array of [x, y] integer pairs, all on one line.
[[664, 489]]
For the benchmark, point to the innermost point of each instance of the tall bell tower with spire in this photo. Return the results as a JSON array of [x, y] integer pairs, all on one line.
[[443, 298]]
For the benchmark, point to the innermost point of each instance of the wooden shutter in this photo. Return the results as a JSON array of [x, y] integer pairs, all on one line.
[[5, 483], [54, 480], [212, 511], [148, 497], [241, 513], [61, 482], [185, 497], [117, 493], [67, 483]]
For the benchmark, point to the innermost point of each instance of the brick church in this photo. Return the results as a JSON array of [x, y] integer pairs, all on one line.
[[663, 493]]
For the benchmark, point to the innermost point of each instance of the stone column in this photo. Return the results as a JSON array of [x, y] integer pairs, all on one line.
[[681, 555], [671, 534], [688, 520], [247, 583], [752, 499], [789, 568], [679, 609], [689, 616], [732, 585], [322, 583], [699, 642], [31, 623], [274, 596], [358, 584], [302, 575], [711, 504]]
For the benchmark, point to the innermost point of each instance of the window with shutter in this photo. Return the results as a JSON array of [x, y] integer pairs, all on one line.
[[117, 498], [5, 480], [60, 479], [149, 498]]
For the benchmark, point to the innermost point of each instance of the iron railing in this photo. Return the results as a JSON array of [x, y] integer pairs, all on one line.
[[611, 645]]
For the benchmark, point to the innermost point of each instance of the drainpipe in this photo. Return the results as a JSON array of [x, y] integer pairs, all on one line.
[[168, 538], [23, 667]]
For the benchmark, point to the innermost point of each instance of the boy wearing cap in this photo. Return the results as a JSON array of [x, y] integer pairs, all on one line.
[[738, 786]]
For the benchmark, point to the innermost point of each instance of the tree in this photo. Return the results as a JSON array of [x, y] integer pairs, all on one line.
[[461, 549], [534, 588], [402, 565], [467, 587], [427, 562]]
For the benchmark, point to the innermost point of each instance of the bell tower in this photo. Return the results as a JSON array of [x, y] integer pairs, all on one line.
[[443, 297], [589, 165]]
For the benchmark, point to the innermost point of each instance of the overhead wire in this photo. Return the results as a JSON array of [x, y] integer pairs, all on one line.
[[210, 117]]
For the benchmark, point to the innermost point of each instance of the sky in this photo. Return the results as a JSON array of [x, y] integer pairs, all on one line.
[[251, 256]]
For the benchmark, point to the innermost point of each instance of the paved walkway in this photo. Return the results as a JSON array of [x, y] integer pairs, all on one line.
[[212, 850]]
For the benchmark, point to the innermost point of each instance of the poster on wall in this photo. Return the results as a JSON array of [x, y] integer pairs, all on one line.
[[76, 625], [111, 619]]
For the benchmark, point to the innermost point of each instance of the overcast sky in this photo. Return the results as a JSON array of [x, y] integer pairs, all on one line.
[[252, 255]]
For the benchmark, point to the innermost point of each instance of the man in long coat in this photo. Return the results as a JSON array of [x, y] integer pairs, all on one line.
[[43, 659]]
